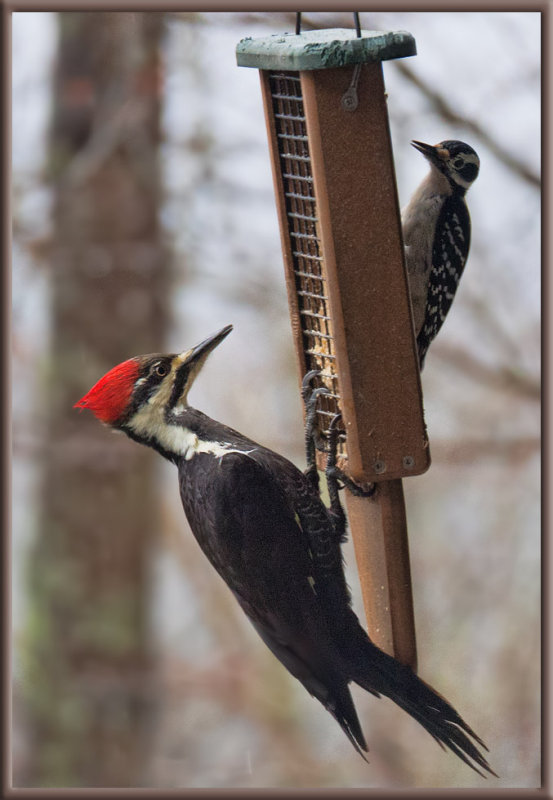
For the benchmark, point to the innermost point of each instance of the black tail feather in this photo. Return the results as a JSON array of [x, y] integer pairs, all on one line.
[[385, 675], [344, 712]]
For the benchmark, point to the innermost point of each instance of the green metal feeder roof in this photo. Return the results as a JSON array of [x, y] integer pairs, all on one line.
[[323, 49]]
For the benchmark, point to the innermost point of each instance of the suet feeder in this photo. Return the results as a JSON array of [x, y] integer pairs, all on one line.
[[333, 171]]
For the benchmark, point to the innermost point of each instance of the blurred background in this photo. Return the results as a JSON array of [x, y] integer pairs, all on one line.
[[143, 220]]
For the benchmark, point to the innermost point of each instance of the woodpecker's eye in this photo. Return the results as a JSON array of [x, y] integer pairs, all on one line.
[[459, 163], [161, 370]]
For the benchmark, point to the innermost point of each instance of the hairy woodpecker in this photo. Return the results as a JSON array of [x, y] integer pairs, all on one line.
[[262, 525], [436, 235]]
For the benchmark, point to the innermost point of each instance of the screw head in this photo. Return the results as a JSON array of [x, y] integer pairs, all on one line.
[[379, 466], [408, 462], [350, 101]]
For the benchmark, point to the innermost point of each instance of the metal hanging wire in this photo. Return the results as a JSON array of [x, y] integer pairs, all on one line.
[[356, 22]]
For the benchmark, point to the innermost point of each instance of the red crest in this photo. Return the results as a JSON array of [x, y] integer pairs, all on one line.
[[109, 398]]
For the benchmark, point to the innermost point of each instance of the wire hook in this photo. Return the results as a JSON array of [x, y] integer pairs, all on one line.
[[356, 21]]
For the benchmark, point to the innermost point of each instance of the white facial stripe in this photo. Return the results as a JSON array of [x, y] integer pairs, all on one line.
[[149, 422], [461, 181], [468, 158], [192, 446]]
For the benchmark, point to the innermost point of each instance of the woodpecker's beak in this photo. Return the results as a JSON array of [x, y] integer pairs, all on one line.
[[187, 365], [434, 153], [199, 353]]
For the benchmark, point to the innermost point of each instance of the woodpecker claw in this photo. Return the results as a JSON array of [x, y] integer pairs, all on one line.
[[335, 475], [306, 383], [357, 489], [336, 510], [313, 439]]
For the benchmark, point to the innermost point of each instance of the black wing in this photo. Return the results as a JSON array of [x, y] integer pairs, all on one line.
[[268, 536], [449, 256], [246, 523]]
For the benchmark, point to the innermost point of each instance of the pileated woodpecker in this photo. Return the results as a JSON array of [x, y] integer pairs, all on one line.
[[261, 523]]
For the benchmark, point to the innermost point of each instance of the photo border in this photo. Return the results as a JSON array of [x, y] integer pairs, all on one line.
[[407, 6]]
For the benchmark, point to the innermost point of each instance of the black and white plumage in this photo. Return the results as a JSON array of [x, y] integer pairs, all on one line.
[[436, 234], [262, 525]]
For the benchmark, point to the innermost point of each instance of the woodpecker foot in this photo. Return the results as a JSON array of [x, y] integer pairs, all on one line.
[[357, 489], [336, 477], [310, 397], [336, 510], [306, 388], [313, 439]]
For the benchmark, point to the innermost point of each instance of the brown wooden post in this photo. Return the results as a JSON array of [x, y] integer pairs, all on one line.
[[327, 121], [379, 532]]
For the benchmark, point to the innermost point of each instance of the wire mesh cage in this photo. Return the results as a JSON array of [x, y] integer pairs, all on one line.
[[306, 248]]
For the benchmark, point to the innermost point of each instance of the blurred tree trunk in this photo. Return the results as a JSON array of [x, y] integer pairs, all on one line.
[[89, 678]]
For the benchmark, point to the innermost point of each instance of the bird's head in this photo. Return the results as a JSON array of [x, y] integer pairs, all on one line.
[[457, 161], [141, 395]]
